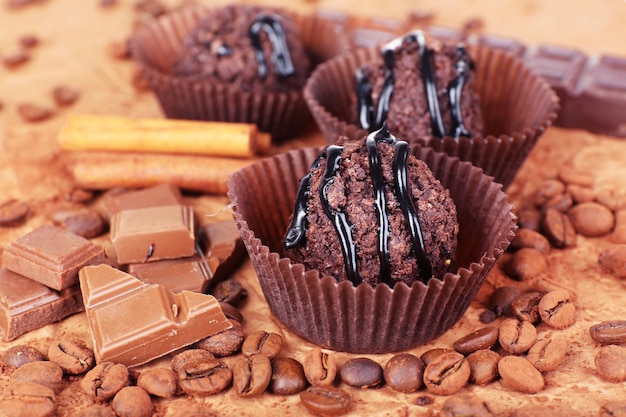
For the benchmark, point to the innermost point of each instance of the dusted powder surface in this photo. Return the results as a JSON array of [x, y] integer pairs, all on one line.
[[220, 49], [351, 191]]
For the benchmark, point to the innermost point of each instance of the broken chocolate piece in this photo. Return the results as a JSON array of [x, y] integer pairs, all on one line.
[[52, 256], [153, 233], [133, 323], [26, 305]]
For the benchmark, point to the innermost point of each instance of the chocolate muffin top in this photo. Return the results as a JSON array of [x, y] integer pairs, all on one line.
[[371, 212], [421, 87], [251, 48]]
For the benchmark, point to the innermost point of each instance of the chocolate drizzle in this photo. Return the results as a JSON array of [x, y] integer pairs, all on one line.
[[463, 64], [273, 27], [297, 230]]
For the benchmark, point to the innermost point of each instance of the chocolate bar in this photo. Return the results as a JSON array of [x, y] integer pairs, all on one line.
[[219, 250], [27, 305], [158, 195], [153, 233], [591, 89], [133, 323], [52, 256]]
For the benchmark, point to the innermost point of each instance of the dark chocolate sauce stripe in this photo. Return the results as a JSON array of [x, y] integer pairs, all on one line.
[[281, 58], [339, 219], [426, 62]]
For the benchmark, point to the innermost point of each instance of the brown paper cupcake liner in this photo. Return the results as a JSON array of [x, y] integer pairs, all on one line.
[[156, 47], [363, 319], [516, 103]]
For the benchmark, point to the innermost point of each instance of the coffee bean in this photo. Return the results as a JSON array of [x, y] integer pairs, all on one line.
[[592, 219], [224, 343], [611, 363], [12, 212], [482, 338], [613, 409], [19, 355], [326, 401], [28, 399], [548, 189], [266, 343], [65, 95], [526, 238], [500, 300], [231, 312], [34, 112], [320, 367], [46, 373], [430, 355], [447, 374], [573, 176], [464, 405], [529, 219], [547, 354], [581, 194], [613, 258], [557, 309], [404, 372], [71, 355], [287, 376], [516, 336], [483, 366], [610, 332], [527, 263], [84, 222], [561, 202], [188, 356], [559, 229], [526, 307], [252, 375], [520, 375], [105, 380], [204, 377], [160, 382], [28, 41], [229, 291], [361, 373], [96, 411], [132, 402]]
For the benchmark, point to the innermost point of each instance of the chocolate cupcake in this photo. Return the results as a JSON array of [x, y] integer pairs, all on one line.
[[364, 318], [480, 104], [237, 63], [370, 212]]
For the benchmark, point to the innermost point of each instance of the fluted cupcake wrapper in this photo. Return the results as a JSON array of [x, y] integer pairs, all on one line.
[[364, 319], [156, 47], [516, 103]]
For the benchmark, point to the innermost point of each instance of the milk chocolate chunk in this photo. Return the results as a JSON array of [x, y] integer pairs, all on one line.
[[52, 256], [158, 195], [222, 241], [27, 305], [153, 233], [133, 323]]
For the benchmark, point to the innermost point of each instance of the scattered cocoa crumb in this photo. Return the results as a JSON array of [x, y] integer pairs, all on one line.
[[154, 8], [421, 17], [108, 3], [424, 400], [79, 195], [139, 81], [474, 24], [487, 316], [33, 112], [28, 41], [119, 50], [64, 95], [18, 4], [15, 58]]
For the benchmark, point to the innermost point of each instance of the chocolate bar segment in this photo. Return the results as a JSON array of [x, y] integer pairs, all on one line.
[[222, 241], [177, 275], [158, 195], [153, 233], [133, 323], [27, 305], [52, 256]]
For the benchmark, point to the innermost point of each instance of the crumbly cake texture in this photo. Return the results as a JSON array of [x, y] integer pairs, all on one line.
[[351, 192], [32, 170], [220, 50], [409, 115]]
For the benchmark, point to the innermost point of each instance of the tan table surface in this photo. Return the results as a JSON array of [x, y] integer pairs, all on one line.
[[74, 39]]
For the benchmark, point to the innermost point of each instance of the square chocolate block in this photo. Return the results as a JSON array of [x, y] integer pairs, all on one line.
[[27, 305], [153, 233], [52, 256], [158, 195]]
